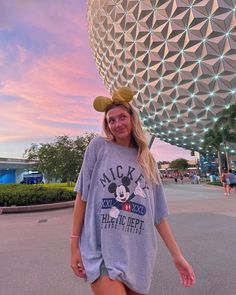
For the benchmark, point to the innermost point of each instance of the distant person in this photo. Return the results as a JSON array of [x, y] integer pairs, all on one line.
[[198, 178], [176, 178], [232, 181], [190, 177], [224, 178], [181, 177], [120, 205], [193, 178]]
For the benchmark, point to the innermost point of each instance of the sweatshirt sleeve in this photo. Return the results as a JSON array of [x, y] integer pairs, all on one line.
[[160, 204], [83, 181]]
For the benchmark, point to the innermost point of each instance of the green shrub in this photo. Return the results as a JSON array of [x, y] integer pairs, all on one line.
[[217, 183], [20, 194]]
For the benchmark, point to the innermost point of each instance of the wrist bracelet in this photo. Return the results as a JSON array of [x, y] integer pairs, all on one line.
[[74, 237]]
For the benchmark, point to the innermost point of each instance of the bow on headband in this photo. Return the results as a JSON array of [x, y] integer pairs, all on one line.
[[123, 94]]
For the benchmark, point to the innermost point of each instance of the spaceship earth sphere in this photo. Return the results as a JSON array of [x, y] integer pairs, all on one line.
[[178, 56]]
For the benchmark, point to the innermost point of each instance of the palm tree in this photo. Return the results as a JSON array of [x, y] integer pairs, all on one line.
[[227, 137], [226, 124], [212, 142], [227, 118]]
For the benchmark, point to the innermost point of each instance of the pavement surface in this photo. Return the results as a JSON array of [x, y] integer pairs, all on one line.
[[35, 252]]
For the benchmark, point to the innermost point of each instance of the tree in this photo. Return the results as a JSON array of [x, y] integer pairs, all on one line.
[[227, 119], [226, 125], [214, 138], [66, 161], [227, 137], [179, 164], [212, 142], [80, 145], [45, 157], [61, 159]]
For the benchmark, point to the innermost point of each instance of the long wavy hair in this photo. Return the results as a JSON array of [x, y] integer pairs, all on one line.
[[144, 158]]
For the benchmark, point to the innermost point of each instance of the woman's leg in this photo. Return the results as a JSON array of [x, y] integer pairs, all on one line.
[[228, 189], [224, 188], [130, 292], [105, 286]]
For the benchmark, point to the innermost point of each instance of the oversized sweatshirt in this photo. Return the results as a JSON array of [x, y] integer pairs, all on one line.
[[122, 209]]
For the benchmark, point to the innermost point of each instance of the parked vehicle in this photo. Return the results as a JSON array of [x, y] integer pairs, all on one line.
[[32, 178]]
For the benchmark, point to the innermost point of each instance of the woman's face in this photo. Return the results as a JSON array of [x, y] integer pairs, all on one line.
[[119, 123]]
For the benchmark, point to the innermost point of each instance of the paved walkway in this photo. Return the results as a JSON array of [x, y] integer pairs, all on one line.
[[34, 247]]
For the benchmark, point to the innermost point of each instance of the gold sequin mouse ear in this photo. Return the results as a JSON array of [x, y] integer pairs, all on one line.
[[100, 103], [123, 94]]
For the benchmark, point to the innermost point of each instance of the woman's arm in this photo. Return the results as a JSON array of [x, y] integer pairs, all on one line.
[[184, 268], [77, 224], [78, 215]]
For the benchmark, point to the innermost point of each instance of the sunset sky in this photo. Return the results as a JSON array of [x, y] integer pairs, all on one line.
[[48, 78]]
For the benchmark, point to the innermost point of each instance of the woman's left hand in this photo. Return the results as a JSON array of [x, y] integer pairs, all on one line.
[[185, 270]]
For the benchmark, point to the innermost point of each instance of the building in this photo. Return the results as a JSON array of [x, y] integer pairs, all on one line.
[[178, 60], [13, 170], [165, 169]]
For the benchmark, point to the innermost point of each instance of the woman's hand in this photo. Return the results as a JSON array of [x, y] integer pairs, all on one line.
[[76, 262], [78, 220], [185, 270]]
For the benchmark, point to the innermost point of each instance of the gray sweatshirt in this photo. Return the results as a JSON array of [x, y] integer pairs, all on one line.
[[122, 209]]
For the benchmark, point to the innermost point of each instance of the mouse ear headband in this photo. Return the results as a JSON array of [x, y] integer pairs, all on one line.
[[123, 94]]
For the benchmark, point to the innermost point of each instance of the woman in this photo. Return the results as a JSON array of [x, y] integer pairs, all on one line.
[[119, 205], [225, 181], [232, 181]]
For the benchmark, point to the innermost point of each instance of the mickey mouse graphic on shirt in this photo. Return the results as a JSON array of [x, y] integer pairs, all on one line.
[[123, 197]]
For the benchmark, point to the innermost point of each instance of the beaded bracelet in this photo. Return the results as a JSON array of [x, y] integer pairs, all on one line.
[[74, 237]]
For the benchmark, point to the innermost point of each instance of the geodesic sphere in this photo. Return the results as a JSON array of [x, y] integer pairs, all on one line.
[[179, 57]]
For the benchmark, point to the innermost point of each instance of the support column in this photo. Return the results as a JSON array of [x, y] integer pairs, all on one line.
[[150, 139]]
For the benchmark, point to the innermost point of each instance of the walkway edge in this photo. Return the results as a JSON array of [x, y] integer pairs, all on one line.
[[35, 208]]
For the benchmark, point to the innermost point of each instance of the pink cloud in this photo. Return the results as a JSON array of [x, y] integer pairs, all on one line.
[[64, 21], [58, 85], [163, 151]]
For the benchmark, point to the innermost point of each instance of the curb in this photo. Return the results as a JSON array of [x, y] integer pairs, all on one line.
[[216, 187], [36, 208]]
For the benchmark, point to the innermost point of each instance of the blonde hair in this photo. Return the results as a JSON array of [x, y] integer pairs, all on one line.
[[144, 158]]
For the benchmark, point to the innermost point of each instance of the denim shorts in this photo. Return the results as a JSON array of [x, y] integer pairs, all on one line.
[[103, 270]]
